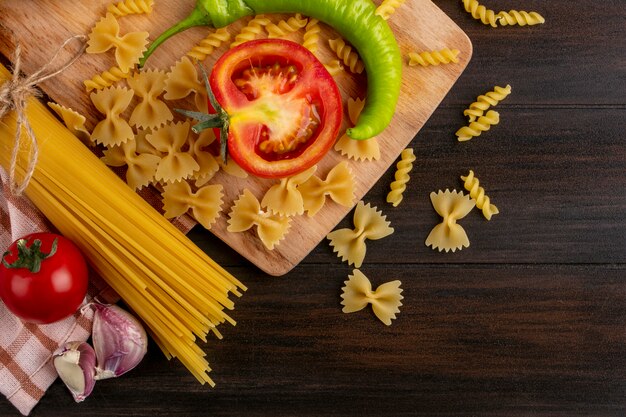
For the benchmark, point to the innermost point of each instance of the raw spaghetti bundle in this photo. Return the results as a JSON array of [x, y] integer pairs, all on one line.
[[178, 291]]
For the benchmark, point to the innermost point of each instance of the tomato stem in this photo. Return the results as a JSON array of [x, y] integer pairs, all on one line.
[[29, 257]]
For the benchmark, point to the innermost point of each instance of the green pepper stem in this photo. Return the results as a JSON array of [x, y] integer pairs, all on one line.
[[196, 18]]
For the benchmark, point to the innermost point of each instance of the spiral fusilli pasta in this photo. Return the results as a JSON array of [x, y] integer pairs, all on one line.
[[477, 193], [126, 7], [311, 35], [388, 7], [251, 31], [483, 102], [106, 79], [404, 166], [209, 44], [480, 12], [479, 126], [345, 52], [444, 56], [521, 18], [285, 27]]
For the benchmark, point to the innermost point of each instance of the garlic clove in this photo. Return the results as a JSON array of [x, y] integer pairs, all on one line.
[[119, 340], [75, 363]]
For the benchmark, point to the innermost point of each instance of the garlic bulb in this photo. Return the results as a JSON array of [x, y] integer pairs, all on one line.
[[75, 363], [119, 340]]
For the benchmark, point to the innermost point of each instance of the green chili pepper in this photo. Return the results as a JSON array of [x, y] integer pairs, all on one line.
[[355, 20]]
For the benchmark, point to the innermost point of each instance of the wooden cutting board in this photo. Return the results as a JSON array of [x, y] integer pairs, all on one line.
[[419, 25]]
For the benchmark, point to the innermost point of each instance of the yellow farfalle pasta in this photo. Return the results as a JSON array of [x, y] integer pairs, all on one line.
[[74, 121], [385, 300], [150, 112], [205, 203], [312, 35], [142, 145], [369, 224], [485, 101], [106, 79], [286, 27], [128, 48], [246, 213], [285, 198], [209, 44], [231, 168], [113, 130], [388, 7], [444, 56], [176, 164], [126, 7], [477, 192], [480, 12], [349, 56], [403, 167], [334, 67], [521, 18], [252, 30], [338, 185], [183, 80], [451, 206], [475, 128], [206, 161], [141, 166], [357, 149]]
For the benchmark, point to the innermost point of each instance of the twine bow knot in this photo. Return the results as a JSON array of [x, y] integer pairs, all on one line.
[[14, 94]]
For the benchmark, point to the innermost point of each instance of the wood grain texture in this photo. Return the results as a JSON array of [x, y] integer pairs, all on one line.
[[422, 91], [526, 322]]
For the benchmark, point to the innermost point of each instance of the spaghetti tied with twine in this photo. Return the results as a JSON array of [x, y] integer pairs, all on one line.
[[14, 94]]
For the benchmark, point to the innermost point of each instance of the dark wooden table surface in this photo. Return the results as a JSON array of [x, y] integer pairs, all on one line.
[[528, 321]]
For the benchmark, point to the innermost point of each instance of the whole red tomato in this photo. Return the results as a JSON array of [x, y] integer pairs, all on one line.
[[283, 109], [43, 278]]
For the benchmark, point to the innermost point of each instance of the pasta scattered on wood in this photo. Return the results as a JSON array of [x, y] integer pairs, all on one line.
[[388, 7], [403, 167], [285, 198], [198, 148], [252, 30], [205, 203], [385, 300], [345, 53], [521, 18], [150, 112], [74, 121], [176, 164], [128, 48], [126, 7], [479, 126], [106, 79], [286, 27], [247, 213], [183, 80], [339, 186], [485, 101], [444, 56], [451, 206], [209, 44], [357, 149], [311, 36], [141, 166], [112, 102], [477, 193], [369, 224], [480, 12]]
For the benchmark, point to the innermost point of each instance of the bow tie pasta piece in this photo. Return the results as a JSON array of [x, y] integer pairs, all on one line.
[[183, 80], [208, 163], [128, 48], [231, 168], [339, 185], [113, 130], [451, 206], [74, 121], [246, 213], [385, 301], [369, 224], [176, 164], [150, 112], [141, 166], [357, 149], [205, 203], [284, 198]]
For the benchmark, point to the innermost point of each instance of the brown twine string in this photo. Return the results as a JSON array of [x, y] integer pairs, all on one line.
[[13, 96]]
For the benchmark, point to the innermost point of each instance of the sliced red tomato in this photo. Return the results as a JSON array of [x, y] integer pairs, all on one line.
[[284, 108]]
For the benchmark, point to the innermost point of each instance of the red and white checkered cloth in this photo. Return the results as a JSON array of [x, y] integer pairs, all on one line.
[[26, 369]]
